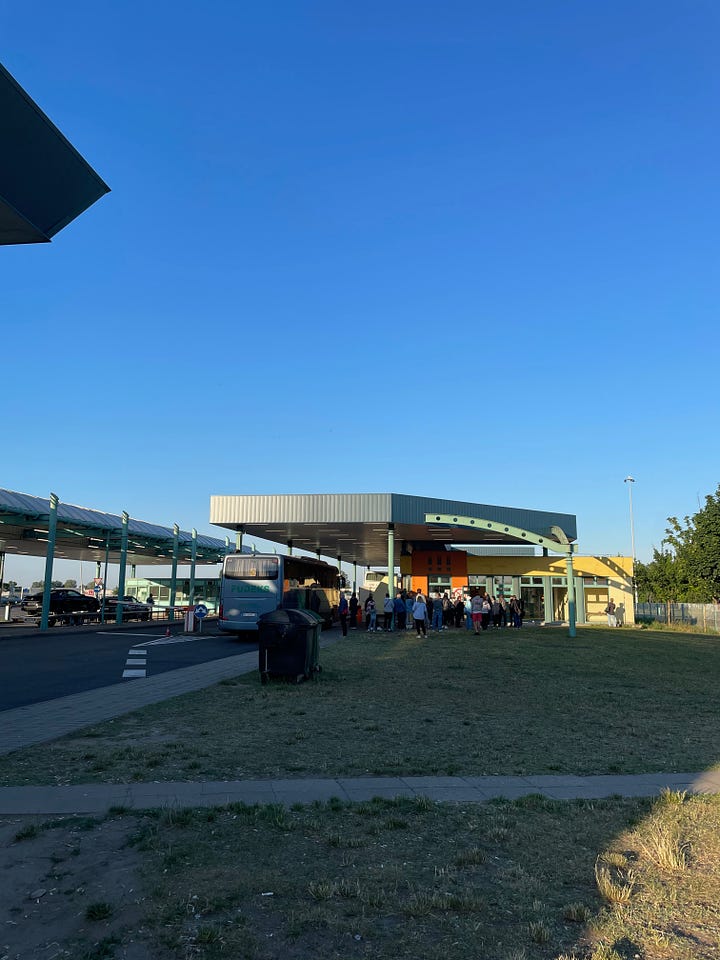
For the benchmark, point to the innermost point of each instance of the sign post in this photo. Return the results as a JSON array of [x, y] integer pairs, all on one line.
[[201, 611]]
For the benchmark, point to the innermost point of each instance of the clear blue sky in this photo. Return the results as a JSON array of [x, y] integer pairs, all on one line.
[[454, 249]]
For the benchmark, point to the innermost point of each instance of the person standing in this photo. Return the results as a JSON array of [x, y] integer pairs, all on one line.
[[437, 613], [151, 603], [399, 606], [476, 612], [486, 612], [420, 616], [343, 612], [388, 610], [353, 607], [409, 604], [459, 613], [610, 611], [515, 612], [370, 614]]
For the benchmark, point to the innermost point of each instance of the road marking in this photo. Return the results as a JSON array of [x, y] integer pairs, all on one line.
[[138, 653], [135, 662], [114, 633], [132, 674], [164, 640]]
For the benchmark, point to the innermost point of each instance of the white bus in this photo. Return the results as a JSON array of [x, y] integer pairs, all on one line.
[[252, 584]]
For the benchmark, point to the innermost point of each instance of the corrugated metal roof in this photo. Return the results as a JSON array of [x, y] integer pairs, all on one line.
[[19, 512], [354, 526]]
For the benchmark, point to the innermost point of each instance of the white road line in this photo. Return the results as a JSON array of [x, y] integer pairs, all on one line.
[[164, 640], [135, 662], [113, 633], [131, 674], [138, 653]]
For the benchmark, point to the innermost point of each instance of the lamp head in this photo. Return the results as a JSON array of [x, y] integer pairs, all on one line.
[[629, 480]]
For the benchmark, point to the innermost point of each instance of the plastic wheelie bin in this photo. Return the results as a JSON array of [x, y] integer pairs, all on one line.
[[289, 644]]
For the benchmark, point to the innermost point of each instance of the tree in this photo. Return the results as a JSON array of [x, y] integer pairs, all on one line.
[[71, 584], [689, 571]]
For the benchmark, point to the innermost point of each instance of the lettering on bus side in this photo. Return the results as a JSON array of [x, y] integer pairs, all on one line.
[[245, 588]]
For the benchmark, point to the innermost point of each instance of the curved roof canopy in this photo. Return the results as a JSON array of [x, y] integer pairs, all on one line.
[[44, 182], [354, 526], [84, 534]]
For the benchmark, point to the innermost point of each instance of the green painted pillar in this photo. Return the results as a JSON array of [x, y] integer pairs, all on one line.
[[193, 561], [98, 566], [391, 568], [227, 545], [289, 548], [355, 577], [239, 539], [571, 595], [123, 565], [107, 558], [173, 577], [49, 557]]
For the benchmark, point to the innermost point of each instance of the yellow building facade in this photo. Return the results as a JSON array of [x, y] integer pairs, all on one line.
[[541, 581]]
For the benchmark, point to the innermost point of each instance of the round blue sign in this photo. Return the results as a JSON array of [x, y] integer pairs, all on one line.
[[201, 610]]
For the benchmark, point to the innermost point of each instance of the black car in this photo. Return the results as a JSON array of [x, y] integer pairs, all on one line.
[[67, 606], [132, 609]]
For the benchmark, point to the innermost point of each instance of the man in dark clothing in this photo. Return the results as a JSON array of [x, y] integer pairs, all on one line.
[[353, 612]]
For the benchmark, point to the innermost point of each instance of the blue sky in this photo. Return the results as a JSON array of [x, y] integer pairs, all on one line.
[[454, 249]]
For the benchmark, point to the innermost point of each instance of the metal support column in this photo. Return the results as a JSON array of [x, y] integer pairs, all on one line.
[[49, 556], [391, 569], [355, 577], [123, 566], [98, 567], [173, 577], [238, 539], [289, 548], [2, 567], [227, 545], [104, 587], [193, 561], [571, 595], [133, 571]]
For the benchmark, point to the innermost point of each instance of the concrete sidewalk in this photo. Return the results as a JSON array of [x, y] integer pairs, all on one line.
[[41, 722], [99, 798]]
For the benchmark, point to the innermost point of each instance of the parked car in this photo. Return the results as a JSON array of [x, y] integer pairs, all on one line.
[[68, 606], [132, 608]]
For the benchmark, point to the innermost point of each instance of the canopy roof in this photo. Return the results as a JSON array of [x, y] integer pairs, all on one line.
[[83, 534], [44, 182], [354, 526]]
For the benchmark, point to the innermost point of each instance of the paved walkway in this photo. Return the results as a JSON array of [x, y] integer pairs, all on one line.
[[42, 722]]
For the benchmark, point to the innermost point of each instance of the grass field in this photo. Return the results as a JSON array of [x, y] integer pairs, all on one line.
[[531, 879], [532, 701], [526, 880]]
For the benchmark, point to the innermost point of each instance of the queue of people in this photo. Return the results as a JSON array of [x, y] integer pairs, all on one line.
[[410, 610]]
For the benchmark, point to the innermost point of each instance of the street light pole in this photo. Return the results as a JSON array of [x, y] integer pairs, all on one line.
[[630, 481]]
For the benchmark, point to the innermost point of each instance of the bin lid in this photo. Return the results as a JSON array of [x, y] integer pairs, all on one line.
[[276, 616]]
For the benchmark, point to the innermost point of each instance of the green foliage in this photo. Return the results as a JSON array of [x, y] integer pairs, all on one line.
[[689, 571]]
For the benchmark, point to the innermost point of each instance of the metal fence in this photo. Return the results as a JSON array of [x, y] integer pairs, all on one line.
[[704, 616]]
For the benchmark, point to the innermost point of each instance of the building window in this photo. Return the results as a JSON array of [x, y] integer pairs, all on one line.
[[438, 584]]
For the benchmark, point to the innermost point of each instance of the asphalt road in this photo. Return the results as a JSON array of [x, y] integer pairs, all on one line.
[[35, 667]]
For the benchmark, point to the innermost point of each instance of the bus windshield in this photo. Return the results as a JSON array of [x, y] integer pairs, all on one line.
[[251, 568]]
